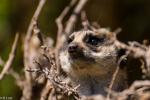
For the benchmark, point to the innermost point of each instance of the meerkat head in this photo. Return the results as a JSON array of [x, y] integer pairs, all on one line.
[[88, 51]]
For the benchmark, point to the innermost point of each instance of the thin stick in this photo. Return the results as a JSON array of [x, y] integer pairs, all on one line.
[[73, 17], [112, 82], [17, 77], [29, 32], [137, 52], [114, 76], [46, 90], [30, 28], [61, 17], [27, 91], [34, 18], [85, 22], [60, 25], [11, 57]]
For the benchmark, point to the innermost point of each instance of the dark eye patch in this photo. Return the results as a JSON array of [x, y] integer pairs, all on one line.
[[94, 40], [70, 39]]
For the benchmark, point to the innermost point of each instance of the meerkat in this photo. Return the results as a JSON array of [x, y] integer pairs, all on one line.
[[90, 59]]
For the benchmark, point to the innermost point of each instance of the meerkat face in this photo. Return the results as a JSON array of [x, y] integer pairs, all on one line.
[[90, 50]]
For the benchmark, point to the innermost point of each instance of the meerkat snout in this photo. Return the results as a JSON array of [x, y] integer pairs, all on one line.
[[73, 47]]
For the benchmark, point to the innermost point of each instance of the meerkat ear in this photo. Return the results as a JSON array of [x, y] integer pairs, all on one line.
[[120, 53]]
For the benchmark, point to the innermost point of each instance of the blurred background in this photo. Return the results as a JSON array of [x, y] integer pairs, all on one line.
[[133, 16]]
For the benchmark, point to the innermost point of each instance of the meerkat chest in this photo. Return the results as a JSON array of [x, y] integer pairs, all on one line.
[[91, 85]]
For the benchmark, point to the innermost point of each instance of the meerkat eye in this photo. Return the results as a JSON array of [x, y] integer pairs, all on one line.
[[70, 39], [93, 40]]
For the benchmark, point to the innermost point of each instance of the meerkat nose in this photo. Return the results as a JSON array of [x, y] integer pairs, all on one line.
[[72, 47]]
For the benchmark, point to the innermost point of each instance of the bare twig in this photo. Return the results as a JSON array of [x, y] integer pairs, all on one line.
[[17, 77], [34, 18], [138, 84], [137, 50], [61, 17], [147, 58], [27, 91], [85, 22], [29, 34], [137, 90], [112, 82], [30, 28], [46, 90], [57, 82], [73, 17], [114, 76], [11, 57], [37, 32]]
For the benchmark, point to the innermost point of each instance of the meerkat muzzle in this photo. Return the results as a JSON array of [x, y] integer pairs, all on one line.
[[73, 47]]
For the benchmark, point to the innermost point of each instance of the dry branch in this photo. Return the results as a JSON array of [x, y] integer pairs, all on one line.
[[11, 57], [137, 50], [114, 76], [73, 18], [61, 17], [30, 29], [27, 90], [55, 82]]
